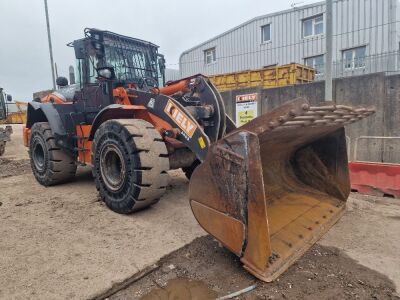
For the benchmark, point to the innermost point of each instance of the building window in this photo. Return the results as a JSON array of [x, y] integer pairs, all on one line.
[[266, 33], [316, 62], [354, 58], [313, 26], [210, 56]]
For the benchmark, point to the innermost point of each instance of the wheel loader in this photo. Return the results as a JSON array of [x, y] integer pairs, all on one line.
[[267, 190]]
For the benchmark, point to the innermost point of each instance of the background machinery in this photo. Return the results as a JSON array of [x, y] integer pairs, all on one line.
[[266, 191], [19, 115], [5, 132]]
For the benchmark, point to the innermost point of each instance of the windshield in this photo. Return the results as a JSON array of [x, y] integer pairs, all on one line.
[[134, 60], [131, 61]]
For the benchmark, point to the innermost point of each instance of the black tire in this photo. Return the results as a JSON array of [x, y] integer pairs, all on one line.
[[130, 164], [189, 170], [50, 164]]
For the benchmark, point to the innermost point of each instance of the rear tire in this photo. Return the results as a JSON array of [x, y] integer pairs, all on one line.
[[130, 164], [50, 164]]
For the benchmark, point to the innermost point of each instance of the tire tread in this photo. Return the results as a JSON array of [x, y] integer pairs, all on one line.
[[148, 150], [62, 167]]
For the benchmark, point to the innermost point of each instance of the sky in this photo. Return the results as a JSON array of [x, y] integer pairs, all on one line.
[[175, 26]]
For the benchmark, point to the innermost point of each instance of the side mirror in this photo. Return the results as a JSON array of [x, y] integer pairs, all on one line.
[[107, 73], [79, 47], [9, 98]]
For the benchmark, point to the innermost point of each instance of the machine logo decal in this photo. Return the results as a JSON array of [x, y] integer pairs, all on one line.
[[180, 118]]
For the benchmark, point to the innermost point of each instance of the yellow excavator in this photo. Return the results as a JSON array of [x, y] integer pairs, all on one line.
[[267, 190]]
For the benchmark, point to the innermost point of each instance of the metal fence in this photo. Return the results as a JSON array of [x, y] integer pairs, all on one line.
[[389, 147], [384, 62]]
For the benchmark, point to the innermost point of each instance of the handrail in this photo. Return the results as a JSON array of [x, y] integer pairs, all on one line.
[[364, 137]]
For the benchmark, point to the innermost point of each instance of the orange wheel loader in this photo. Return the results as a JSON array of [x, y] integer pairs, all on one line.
[[267, 190]]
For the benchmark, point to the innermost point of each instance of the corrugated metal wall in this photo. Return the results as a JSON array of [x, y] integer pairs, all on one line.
[[171, 75], [370, 23]]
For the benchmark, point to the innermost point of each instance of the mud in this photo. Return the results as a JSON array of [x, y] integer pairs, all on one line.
[[322, 273], [182, 289], [14, 167]]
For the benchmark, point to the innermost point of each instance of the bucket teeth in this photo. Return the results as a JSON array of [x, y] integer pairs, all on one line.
[[322, 122], [298, 123], [323, 108], [305, 118], [329, 115]]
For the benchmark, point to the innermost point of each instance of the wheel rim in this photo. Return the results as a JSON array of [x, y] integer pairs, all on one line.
[[38, 156], [112, 167]]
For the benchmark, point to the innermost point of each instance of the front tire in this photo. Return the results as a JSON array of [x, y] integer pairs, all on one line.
[[130, 164], [50, 164]]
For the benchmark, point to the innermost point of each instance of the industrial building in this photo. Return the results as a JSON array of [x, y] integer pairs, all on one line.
[[171, 74], [365, 40]]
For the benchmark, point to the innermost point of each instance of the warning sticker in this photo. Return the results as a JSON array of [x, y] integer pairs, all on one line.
[[246, 108], [202, 144]]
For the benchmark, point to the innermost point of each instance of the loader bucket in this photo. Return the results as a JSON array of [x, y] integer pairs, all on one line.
[[271, 188]]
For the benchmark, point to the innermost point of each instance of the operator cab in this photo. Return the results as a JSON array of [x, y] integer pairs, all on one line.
[[125, 60]]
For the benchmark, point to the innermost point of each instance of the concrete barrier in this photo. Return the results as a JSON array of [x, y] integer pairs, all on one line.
[[375, 179]]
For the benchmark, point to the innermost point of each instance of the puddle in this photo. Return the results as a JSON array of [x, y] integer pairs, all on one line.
[[182, 289]]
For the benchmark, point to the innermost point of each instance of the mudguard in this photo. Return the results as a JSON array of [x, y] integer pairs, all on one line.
[[45, 112], [160, 106], [113, 111]]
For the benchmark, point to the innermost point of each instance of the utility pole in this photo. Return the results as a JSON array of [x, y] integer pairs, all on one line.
[[329, 50], [50, 46]]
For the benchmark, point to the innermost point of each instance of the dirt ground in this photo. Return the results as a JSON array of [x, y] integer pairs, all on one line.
[[63, 243], [210, 271], [15, 150], [9, 167], [369, 233], [361, 256]]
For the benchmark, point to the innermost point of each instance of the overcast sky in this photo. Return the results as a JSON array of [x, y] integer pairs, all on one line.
[[174, 25]]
